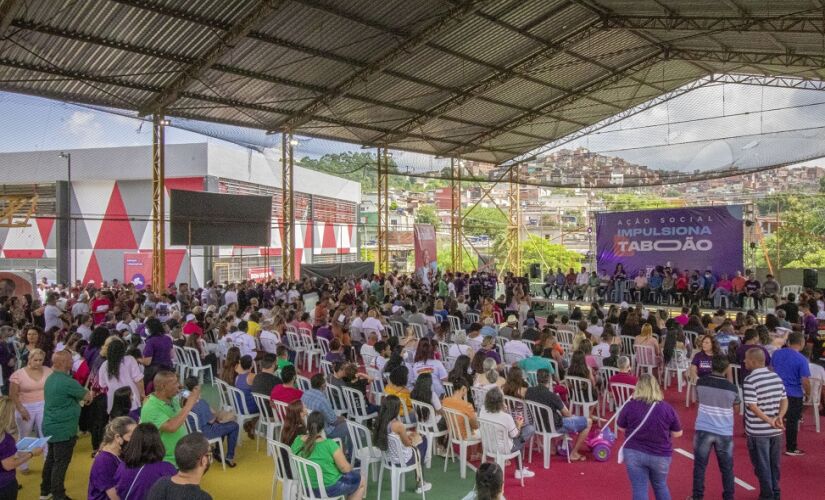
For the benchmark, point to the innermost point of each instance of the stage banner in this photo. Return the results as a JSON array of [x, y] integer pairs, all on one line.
[[687, 238], [137, 269], [424, 244]]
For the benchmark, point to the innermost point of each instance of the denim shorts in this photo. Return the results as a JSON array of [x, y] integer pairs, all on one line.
[[346, 485], [574, 424]]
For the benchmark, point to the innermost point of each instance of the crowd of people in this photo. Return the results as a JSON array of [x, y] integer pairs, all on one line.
[[105, 360], [663, 284]]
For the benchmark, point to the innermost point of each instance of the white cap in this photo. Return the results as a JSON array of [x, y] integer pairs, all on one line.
[[624, 305], [190, 317]]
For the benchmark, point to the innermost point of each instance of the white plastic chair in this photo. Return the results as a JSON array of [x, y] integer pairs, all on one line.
[[814, 399], [296, 345], [195, 366], [181, 362], [267, 419], [581, 395], [620, 394], [221, 386], [357, 405], [448, 389], [542, 418], [326, 368], [336, 399], [460, 433], [192, 425], [645, 357], [455, 323], [304, 469], [427, 427], [363, 450], [471, 317], [277, 451], [479, 393], [678, 372], [418, 330], [242, 414], [398, 471], [311, 350], [736, 375], [493, 433], [303, 383]]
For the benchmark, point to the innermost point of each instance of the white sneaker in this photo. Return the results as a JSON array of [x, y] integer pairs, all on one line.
[[423, 488], [523, 473]]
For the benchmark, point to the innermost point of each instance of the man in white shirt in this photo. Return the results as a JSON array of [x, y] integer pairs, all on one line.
[[516, 350], [244, 341], [81, 307], [231, 296], [603, 347], [581, 283], [52, 315], [85, 327]]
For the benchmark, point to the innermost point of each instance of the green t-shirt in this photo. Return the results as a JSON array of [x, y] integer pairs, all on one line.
[[157, 411], [536, 363], [321, 455], [282, 363], [62, 409]]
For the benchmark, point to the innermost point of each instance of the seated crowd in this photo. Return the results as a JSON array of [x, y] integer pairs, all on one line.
[[416, 369]]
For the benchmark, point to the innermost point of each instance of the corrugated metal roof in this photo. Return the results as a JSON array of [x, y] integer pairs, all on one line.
[[488, 80]]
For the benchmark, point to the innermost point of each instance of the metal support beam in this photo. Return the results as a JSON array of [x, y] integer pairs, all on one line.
[[452, 17], [383, 257], [601, 82], [288, 208], [455, 216], [8, 9], [256, 16], [513, 242], [795, 23], [158, 208]]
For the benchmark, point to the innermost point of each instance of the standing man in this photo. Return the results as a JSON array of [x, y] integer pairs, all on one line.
[[765, 408], [714, 428], [61, 413], [793, 369], [163, 409]]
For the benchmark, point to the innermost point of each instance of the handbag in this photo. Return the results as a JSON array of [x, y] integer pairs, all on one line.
[[621, 450]]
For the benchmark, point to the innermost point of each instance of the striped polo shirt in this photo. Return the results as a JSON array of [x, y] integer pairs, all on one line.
[[765, 389], [716, 397]]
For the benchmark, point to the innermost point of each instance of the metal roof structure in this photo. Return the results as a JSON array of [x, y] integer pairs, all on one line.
[[487, 80]]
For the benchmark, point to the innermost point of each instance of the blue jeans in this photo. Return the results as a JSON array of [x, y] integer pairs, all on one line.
[[764, 453], [574, 424], [723, 445], [643, 468], [228, 429], [347, 484]]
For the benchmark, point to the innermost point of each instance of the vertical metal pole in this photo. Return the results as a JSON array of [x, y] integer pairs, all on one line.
[[189, 250], [158, 217], [383, 212], [455, 215], [288, 243], [513, 262]]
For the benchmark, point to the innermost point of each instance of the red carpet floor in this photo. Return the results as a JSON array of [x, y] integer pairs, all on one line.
[[801, 477]]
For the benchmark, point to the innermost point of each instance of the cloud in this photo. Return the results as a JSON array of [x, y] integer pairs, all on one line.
[[86, 130]]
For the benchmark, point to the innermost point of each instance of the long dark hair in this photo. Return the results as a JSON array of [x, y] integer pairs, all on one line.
[[514, 383], [316, 422], [578, 366], [423, 392], [395, 360], [155, 327], [98, 337], [390, 407], [424, 351], [489, 481], [114, 357], [145, 447], [294, 424], [461, 369], [478, 362]]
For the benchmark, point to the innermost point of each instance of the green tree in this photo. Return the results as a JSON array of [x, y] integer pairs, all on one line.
[[489, 221], [637, 202], [799, 241], [426, 215], [537, 250]]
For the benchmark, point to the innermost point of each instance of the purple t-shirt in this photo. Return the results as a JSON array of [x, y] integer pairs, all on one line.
[[102, 475], [140, 479], [159, 348], [654, 437], [325, 333], [703, 363], [8, 447]]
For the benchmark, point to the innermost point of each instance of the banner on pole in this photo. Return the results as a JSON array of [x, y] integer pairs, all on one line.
[[137, 269], [687, 238], [425, 251]]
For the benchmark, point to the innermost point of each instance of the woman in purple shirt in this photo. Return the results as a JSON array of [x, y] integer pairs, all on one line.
[[10, 458], [157, 353], [142, 464], [700, 365], [649, 424], [102, 484]]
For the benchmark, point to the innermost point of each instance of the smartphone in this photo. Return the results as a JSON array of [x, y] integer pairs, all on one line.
[[185, 393]]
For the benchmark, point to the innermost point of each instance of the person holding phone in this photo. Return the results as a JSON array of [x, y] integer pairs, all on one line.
[[10, 458]]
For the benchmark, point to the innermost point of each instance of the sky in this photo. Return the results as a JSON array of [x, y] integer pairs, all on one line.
[[708, 128]]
